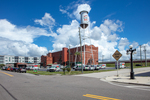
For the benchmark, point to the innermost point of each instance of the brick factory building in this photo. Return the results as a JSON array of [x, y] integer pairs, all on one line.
[[62, 57]]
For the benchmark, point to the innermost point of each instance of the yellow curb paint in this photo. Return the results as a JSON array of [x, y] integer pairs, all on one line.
[[99, 97], [7, 74]]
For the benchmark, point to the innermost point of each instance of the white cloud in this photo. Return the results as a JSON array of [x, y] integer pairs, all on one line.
[[20, 48], [80, 8], [68, 34], [26, 34], [112, 37], [18, 40], [96, 33], [47, 20], [122, 43], [77, 8]]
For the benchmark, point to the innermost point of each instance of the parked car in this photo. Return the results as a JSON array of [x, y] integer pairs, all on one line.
[[79, 67], [48, 67], [15, 69], [102, 65], [138, 65], [4, 68], [29, 68], [12, 69], [54, 68], [86, 67], [92, 67], [97, 67], [61, 66], [8, 68], [22, 69], [36, 68], [74, 67]]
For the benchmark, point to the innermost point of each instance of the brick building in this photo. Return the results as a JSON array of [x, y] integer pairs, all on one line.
[[62, 57]]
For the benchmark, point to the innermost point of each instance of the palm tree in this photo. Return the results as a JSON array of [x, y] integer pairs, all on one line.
[[77, 53]]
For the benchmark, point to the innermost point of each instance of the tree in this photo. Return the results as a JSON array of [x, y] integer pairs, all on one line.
[[1, 65], [78, 54]]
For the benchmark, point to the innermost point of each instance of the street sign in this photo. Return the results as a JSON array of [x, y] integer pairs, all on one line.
[[117, 55]]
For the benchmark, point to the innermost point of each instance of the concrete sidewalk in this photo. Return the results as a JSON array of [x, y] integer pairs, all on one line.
[[125, 78]]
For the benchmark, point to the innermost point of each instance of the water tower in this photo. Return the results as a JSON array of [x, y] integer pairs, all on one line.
[[84, 19]]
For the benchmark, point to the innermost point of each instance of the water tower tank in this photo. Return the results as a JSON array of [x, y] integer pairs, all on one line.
[[84, 19]]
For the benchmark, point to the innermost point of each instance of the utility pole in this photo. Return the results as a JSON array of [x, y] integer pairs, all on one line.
[[81, 49], [140, 55], [69, 56], [145, 55], [102, 57]]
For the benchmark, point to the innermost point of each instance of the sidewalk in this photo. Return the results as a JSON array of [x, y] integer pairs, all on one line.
[[125, 78]]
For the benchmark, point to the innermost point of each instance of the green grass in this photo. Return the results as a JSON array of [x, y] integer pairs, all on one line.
[[129, 64], [66, 73]]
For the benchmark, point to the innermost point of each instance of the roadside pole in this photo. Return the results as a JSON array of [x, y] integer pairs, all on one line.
[[117, 68], [81, 50], [117, 56]]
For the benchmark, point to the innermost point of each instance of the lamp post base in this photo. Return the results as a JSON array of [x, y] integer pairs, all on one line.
[[132, 75]]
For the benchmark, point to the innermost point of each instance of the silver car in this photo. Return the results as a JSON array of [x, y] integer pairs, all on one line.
[[92, 67]]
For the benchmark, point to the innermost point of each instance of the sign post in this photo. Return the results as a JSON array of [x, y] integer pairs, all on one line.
[[117, 56]]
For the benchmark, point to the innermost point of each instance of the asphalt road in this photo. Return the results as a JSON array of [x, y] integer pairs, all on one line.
[[24, 86], [147, 74]]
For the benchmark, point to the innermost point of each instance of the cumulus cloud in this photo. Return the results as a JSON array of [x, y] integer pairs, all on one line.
[[26, 34], [67, 35], [47, 20], [18, 40], [77, 7], [20, 48], [122, 43], [80, 8]]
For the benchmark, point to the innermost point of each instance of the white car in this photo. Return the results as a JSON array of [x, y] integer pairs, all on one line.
[[87, 67], [92, 67], [48, 67], [97, 67], [36, 68], [102, 65], [54, 68]]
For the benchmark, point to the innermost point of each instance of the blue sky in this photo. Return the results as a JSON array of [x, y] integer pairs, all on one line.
[[34, 27]]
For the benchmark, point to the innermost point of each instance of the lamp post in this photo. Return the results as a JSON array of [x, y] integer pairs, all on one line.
[[131, 51]]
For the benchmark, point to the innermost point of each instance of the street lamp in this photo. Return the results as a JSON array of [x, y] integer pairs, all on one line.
[[131, 51]]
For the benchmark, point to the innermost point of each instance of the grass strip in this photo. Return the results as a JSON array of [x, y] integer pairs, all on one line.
[[66, 73]]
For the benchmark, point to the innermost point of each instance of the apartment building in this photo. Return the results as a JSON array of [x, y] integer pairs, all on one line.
[[6, 59]]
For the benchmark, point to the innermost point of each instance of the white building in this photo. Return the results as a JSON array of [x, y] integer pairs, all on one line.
[[6, 59]]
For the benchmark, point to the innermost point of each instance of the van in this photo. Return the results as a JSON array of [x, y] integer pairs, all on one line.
[[102, 65]]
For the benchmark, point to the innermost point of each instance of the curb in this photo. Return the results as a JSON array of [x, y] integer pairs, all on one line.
[[131, 83]]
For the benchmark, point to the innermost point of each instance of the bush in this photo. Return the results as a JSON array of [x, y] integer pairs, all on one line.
[[68, 69], [63, 69]]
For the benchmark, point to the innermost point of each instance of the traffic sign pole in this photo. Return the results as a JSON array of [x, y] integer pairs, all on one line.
[[117, 56], [117, 68]]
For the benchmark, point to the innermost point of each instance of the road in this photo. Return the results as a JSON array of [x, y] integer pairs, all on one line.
[[24, 86]]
